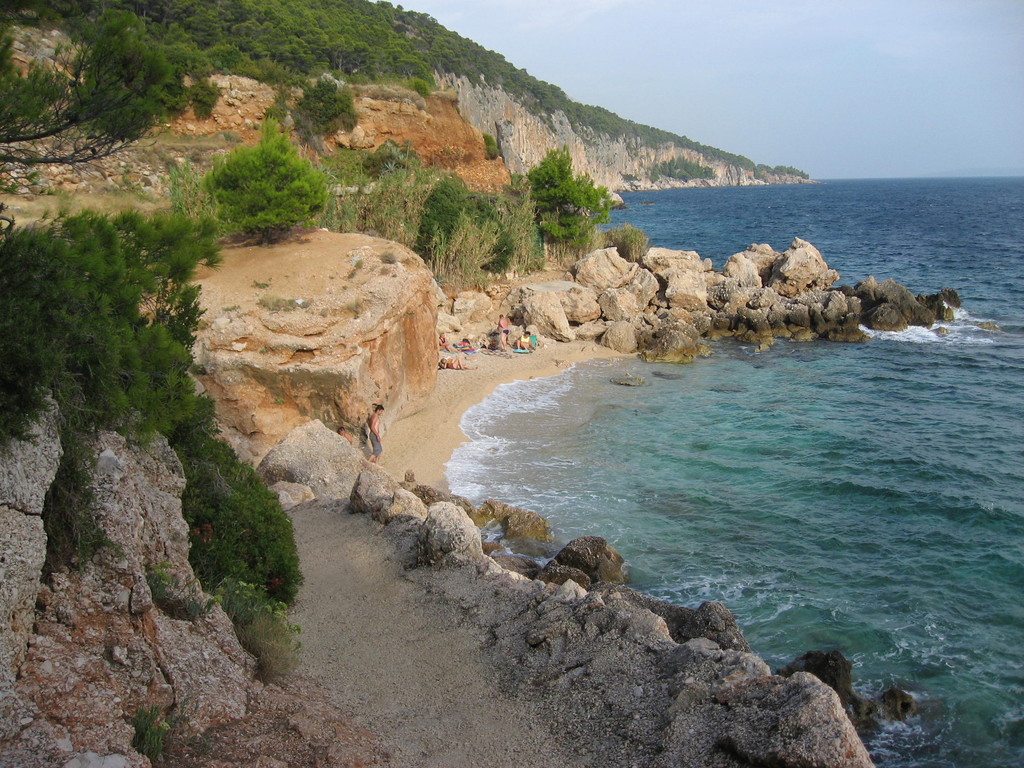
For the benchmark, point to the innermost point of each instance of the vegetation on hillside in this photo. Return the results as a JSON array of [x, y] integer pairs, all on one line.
[[98, 315], [682, 169], [280, 40]]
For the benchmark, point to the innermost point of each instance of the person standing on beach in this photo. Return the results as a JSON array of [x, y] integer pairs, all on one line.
[[373, 427], [503, 332]]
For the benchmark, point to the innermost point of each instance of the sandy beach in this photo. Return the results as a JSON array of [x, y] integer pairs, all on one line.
[[423, 441]]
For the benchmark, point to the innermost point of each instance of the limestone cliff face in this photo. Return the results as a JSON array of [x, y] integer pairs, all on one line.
[[320, 327], [81, 651], [617, 163]]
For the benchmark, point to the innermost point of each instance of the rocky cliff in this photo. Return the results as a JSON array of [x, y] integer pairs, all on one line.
[[320, 327], [614, 162], [82, 651]]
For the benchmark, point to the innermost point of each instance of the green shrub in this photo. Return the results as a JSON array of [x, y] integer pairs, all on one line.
[[203, 96], [185, 188], [150, 729], [267, 189], [113, 299], [237, 527], [630, 242], [389, 158], [490, 147], [569, 205], [441, 211], [262, 627], [421, 86], [326, 107]]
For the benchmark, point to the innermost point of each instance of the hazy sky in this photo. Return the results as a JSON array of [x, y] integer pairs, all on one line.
[[839, 88]]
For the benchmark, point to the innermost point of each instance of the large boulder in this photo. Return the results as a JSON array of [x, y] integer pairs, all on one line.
[[620, 336], [448, 536], [883, 301], [662, 260], [373, 493], [618, 304], [726, 702], [595, 557], [801, 268], [740, 267], [336, 323], [686, 289], [602, 269], [729, 295], [314, 456], [517, 523], [580, 304], [711, 620], [759, 255], [675, 342], [542, 308]]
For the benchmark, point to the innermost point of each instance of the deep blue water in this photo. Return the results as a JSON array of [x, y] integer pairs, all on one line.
[[865, 497]]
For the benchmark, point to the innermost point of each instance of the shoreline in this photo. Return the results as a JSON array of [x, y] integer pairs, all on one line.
[[423, 441]]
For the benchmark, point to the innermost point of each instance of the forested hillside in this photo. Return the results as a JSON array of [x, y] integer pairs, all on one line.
[[274, 39]]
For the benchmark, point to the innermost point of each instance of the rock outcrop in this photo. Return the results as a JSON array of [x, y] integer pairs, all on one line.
[[608, 671], [320, 327], [82, 651], [614, 162], [669, 303]]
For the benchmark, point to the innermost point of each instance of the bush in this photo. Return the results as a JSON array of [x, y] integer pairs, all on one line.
[[110, 306], [203, 96], [569, 205], [490, 147], [326, 107], [631, 242], [267, 189], [237, 527], [150, 729], [389, 157], [262, 627], [421, 86], [441, 211]]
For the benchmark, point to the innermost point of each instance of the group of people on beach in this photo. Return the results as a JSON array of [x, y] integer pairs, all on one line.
[[527, 342]]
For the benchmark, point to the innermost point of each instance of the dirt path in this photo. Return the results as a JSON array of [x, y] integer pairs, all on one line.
[[401, 663]]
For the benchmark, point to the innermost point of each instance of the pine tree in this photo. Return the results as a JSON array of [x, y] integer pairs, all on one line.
[[267, 189], [569, 205]]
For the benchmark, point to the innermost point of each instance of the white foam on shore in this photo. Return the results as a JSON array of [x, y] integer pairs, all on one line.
[[963, 329], [469, 460]]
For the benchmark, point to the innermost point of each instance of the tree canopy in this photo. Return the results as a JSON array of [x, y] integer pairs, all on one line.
[[568, 205], [102, 94], [266, 189]]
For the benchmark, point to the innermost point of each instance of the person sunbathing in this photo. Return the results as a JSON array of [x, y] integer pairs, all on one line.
[[526, 342], [443, 343], [457, 363]]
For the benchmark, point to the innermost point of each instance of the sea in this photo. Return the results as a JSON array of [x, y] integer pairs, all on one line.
[[862, 497]]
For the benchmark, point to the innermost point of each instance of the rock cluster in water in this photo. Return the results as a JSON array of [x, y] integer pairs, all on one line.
[[668, 303]]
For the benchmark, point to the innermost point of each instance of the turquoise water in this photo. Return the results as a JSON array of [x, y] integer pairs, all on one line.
[[863, 497]]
